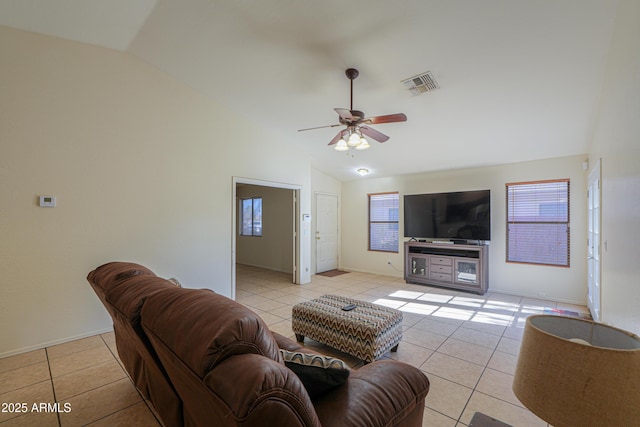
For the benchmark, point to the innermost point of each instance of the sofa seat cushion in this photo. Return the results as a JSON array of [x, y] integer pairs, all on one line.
[[203, 328], [318, 373]]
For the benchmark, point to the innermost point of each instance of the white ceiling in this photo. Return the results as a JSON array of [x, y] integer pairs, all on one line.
[[519, 79]]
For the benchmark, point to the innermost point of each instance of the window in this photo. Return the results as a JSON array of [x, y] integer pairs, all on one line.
[[383, 222], [251, 216], [538, 222]]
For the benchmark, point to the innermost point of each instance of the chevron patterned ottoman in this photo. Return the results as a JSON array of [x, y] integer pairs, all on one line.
[[366, 332]]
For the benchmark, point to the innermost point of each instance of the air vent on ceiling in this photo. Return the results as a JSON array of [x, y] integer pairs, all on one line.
[[421, 83]]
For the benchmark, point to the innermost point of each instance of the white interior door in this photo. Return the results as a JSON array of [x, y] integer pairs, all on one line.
[[594, 243], [326, 232]]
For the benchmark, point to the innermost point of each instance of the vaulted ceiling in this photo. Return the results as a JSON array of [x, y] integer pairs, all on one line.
[[518, 79]]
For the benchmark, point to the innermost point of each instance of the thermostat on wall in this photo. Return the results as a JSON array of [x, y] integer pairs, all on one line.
[[48, 201]]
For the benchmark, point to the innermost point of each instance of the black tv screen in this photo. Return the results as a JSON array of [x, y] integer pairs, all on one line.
[[463, 215]]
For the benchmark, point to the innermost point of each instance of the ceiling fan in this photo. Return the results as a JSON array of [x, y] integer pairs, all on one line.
[[356, 124]]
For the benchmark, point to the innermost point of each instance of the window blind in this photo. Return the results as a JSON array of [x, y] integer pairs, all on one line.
[[538, 222], [383, 222]]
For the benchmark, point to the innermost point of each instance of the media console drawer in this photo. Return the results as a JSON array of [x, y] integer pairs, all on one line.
[[441, 277], [447, 269], [441, 260]]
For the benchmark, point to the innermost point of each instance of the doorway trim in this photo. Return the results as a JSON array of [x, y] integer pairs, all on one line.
[[234, 219], [594, 241]]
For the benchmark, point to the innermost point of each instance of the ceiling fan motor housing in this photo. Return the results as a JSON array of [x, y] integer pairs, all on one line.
[[355, 118]]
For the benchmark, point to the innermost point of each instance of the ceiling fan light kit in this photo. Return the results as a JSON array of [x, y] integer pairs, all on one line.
[[356, 124], [354, 140], [363, 145], [342, 145]]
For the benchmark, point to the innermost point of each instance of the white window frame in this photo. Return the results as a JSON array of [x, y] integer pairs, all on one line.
[[256, 230], [538, 222], [386, 242]]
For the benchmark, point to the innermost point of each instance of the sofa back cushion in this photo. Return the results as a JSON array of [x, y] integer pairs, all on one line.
[[203, 328], [106, 275], [127, 295]]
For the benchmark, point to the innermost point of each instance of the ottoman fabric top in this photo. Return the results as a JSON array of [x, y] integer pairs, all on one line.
[[328, 308], [367, 332]]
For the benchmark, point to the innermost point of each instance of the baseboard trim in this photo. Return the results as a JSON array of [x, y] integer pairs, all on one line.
[[265, 267], [54, 342]]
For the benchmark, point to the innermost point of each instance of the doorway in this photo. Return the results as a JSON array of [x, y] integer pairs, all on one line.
[[277, 247], [326, 232], [594, 242]]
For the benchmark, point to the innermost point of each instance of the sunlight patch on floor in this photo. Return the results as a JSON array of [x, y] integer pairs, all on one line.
[[417, 308], [439, 298], [493, 318], [454, 313], [389, 303], [406, 294]]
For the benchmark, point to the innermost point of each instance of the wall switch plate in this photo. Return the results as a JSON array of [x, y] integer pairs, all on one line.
[[47, 201]]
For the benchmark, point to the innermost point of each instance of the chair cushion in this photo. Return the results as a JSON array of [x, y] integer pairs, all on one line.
[[318, 373]]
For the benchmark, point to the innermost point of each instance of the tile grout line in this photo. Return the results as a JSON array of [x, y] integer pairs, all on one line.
[[53, 387]]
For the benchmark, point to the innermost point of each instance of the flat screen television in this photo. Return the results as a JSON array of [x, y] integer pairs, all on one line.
[[463, 215]]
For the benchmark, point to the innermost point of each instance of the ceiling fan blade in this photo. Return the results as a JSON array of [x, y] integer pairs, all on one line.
[[344, 113], [320, 127], [336, 138], [374, 134], [389, 118]]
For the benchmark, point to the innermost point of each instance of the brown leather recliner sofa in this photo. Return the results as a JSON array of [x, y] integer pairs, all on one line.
[[204, 360]]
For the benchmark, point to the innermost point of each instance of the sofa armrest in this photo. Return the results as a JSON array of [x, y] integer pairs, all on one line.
[[382, 393], [290, 345], [261, 391]]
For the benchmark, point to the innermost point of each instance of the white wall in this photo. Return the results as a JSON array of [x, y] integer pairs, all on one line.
[[274, 249], [617, 143], [557, 283], [142, 169]]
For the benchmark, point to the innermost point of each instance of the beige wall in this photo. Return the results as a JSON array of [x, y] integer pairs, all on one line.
[[617, 143], [142, 169], [274, 249], [556, 283]]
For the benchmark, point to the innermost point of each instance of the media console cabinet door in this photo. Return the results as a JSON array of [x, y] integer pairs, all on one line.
[[466, 271], [419, 266]]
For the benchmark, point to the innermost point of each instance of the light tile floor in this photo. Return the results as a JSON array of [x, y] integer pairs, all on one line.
[[466, 344]]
